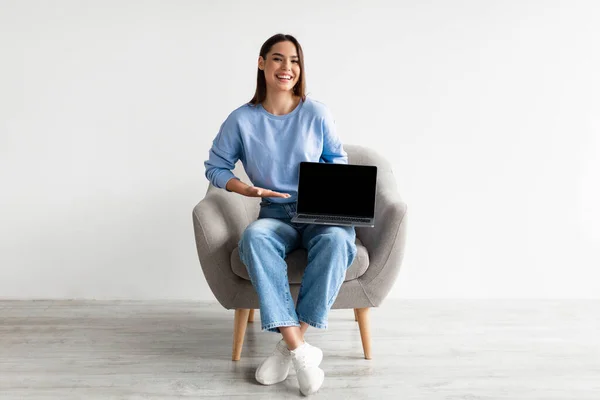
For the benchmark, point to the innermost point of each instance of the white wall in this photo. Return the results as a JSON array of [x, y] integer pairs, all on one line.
[[488, 110]]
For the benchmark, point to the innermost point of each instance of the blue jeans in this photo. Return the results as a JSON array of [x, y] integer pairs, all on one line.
[[263, 248]]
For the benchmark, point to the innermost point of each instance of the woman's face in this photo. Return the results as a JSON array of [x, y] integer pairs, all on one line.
[[281, 66]]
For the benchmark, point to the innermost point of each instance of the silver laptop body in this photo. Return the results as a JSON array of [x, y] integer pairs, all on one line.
[[336, 194]]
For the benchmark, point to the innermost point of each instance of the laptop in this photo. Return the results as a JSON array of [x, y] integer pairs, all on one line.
[[336, 194]]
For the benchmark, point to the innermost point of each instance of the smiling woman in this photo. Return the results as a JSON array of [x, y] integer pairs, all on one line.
[[272, 134], [280, 70]]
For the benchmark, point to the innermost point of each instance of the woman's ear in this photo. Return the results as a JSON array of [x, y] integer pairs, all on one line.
[[261, 63]]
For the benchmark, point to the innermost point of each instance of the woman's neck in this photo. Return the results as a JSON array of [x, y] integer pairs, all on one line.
[[280, 103]]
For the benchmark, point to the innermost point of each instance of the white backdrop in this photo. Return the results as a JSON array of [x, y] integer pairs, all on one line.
[[488, 110]]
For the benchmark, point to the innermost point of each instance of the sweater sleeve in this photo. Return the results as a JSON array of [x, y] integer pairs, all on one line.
[[224, 153], [333, 150]]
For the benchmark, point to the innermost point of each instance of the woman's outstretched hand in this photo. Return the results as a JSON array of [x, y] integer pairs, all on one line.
[[237, 186], [255, 191]]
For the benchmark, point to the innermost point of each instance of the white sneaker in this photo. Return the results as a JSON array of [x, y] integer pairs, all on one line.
[[275, 368], [306, 360]]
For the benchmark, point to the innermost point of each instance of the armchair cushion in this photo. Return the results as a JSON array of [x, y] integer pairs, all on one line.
[[296, 262]]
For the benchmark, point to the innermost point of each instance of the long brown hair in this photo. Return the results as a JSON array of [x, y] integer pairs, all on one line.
[[261, 83]]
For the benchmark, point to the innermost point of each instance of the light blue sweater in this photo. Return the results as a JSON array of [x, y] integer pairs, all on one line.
[[271, 147]]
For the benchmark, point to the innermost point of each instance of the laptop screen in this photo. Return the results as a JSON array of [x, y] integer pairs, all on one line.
[[337, 189]]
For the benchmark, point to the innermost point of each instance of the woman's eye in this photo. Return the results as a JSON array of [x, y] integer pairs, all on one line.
[[296, 61]]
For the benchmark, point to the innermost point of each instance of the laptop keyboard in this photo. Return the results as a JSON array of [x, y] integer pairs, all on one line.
[[324, 218]]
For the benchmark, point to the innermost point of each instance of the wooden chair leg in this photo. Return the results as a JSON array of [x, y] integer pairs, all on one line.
[[355, 315], [239, 330], [251, 315], [365, 330]]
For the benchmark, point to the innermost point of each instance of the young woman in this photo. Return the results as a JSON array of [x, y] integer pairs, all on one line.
[[271, 135]]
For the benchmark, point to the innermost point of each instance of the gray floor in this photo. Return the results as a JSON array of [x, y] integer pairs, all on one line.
[[421, 350]]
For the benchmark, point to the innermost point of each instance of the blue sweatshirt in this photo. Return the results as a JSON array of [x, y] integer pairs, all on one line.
[[271, 147]]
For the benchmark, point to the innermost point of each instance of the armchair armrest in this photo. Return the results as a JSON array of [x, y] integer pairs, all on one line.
[[385, 243], [219, 221]]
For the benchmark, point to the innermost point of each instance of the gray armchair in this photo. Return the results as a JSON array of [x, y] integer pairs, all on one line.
[[221, 218]]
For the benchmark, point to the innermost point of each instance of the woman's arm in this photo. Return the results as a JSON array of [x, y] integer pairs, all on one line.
[[333, 150]]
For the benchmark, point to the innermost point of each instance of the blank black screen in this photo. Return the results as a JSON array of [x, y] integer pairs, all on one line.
[[337, 189]]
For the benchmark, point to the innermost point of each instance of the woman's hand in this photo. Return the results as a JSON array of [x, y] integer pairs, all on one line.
[[237, 186], [255, 191]]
